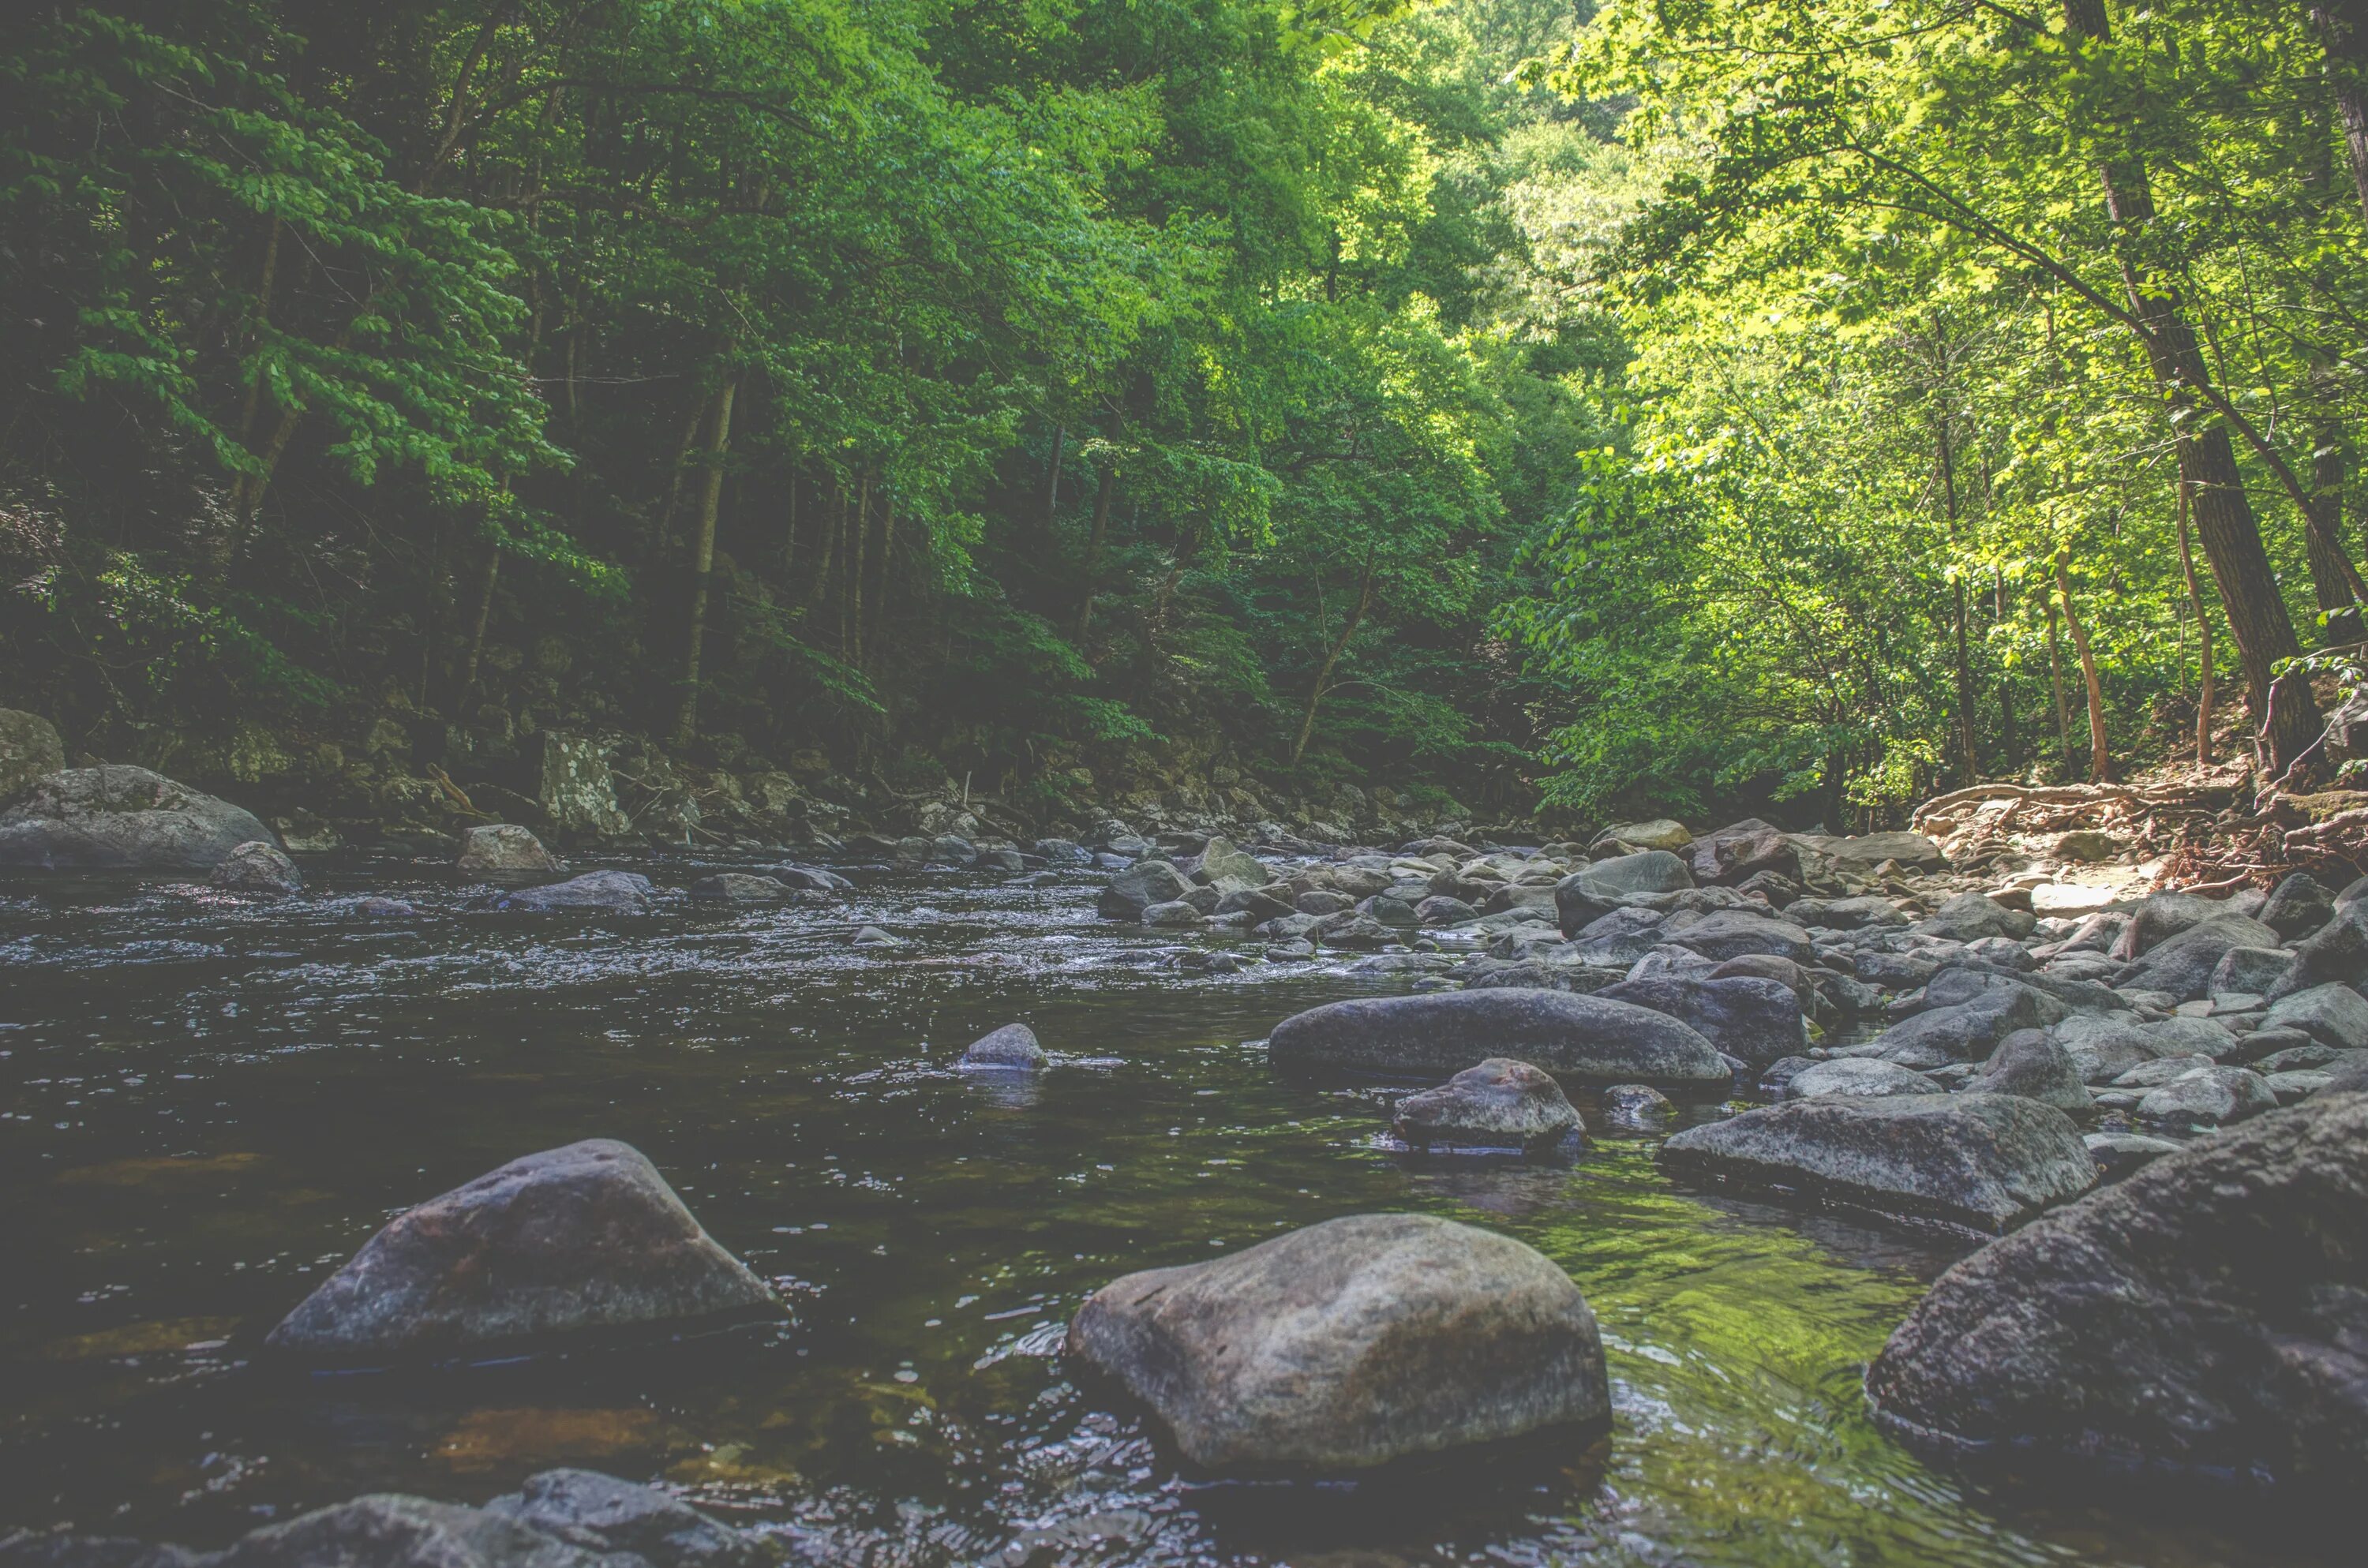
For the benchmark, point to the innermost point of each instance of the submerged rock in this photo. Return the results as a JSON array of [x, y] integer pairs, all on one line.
[[2210, 1310], [506, 849], [1987, 1162], [580, 1237], [738, 888], [1349, 1344], [118, 818], [1639, 1107], [1500, 1104], [1012, 1048], [586, 1508], [1140, 887], [1863, 1076], [621, 892], [258, 868], [1751, 1018], [1567, 1034]]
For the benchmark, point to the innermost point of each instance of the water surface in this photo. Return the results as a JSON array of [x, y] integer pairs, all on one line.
[[207, 1104]]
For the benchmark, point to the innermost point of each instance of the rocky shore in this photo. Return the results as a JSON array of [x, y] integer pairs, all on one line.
[[2154, 1103]]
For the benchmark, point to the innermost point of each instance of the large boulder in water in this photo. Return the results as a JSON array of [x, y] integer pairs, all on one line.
[[1862, 1077], [1140, 887], [1500, 1104], [1755, 1020], [586, 1236], [119, 818], [1349, 1344], [1987, 1162], [2210, 1310], [1592, 891], [505, 849], [617, 892], [258, 868], [1440, 1032], [29, 750]]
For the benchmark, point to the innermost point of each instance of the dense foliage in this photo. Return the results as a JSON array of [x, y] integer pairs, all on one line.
[[1654, 404]]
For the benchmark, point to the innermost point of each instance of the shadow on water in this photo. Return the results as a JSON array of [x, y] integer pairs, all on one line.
[[210, 1104]]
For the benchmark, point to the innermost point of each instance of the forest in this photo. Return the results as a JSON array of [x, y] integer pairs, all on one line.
[[1527, 406]]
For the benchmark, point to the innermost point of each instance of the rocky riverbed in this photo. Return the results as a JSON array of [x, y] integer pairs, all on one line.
[[1811, 1073]]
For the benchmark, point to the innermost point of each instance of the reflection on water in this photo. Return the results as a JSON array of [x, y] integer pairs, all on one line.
[[209, 1104]]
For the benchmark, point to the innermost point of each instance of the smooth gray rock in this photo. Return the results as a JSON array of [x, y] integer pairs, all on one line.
[[1742, 849], [2027, 1062], [29, 750], [581, 1237], [2299, 905], [738, 888], [2207, 1096], [2183, 965], [1349, 1344], [118, 818], [1986, 1162], [1661, 833], [2249, 971], [2190, 1036], [1752, 1019], [1590, 893], [874, 936], [1969, 916], [1865, 852], [1439, 909], [1138, 888], [505, 849], [258, 868], [1639, 1107], [1175, 912], [1230, 868], [2102, 1047], [2159, 916], [2209, 1311], [1500, 1104], [621, 892], [1012, 1048], [586, 1508], [1966, 1032], [1861, 912], [1570, 1035], [1859, 1075], [2331, 1014], [2117, 1153], [2291, 1088], [2336, 951], [2162, 1070], [1732, 933], [811, 878]]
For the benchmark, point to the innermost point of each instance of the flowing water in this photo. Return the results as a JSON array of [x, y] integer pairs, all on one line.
[[207, 1104]]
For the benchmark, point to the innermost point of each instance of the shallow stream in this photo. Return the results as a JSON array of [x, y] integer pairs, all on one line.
[[207, 1104]]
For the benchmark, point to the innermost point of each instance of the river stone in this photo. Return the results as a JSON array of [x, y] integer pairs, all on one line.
[[2027, 1062], [258, 868], [2336, 951], [1592, 891], [2183, 965], [2303, 1058], [1739, 849], [1661, 833], [2247, 971], [1639, 1107], [2209, 1311], [1970, 917], [1859, 1075], [119, 818], [1500, 1104], [1229, 868], [738, 888], [1175, 912], [586, 1508], [2103, 1048], [581, 1237], [624, 892], [1439, 909], [2117, 1153], [1987, 1162], [2207, 1096], [2294, 1086], [1014, 1046], [1867, 851], [1349, 1344], [1567, 1034], [390, 1531], [505, 849], [1752, 1019], [2162, 1070], [2332, 1015], [1861, 912], [1966, 1032], [2159, 916], [1732, 933], [2297, 906], [1062, 852], [30, 749], [2177, 1036], [811, 878], [1139, 887]]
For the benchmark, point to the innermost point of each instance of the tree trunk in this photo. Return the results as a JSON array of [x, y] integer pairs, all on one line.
[[1332, 657], [702, 560], [830, 521], [1967, 761], [2223, 517], [1103, 490], [2055, 678], [2343, 30], [2204, 641], [477, 632], [1053, 479], [790, 537], [2328, 473], [857, 541], [2100, 765]]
